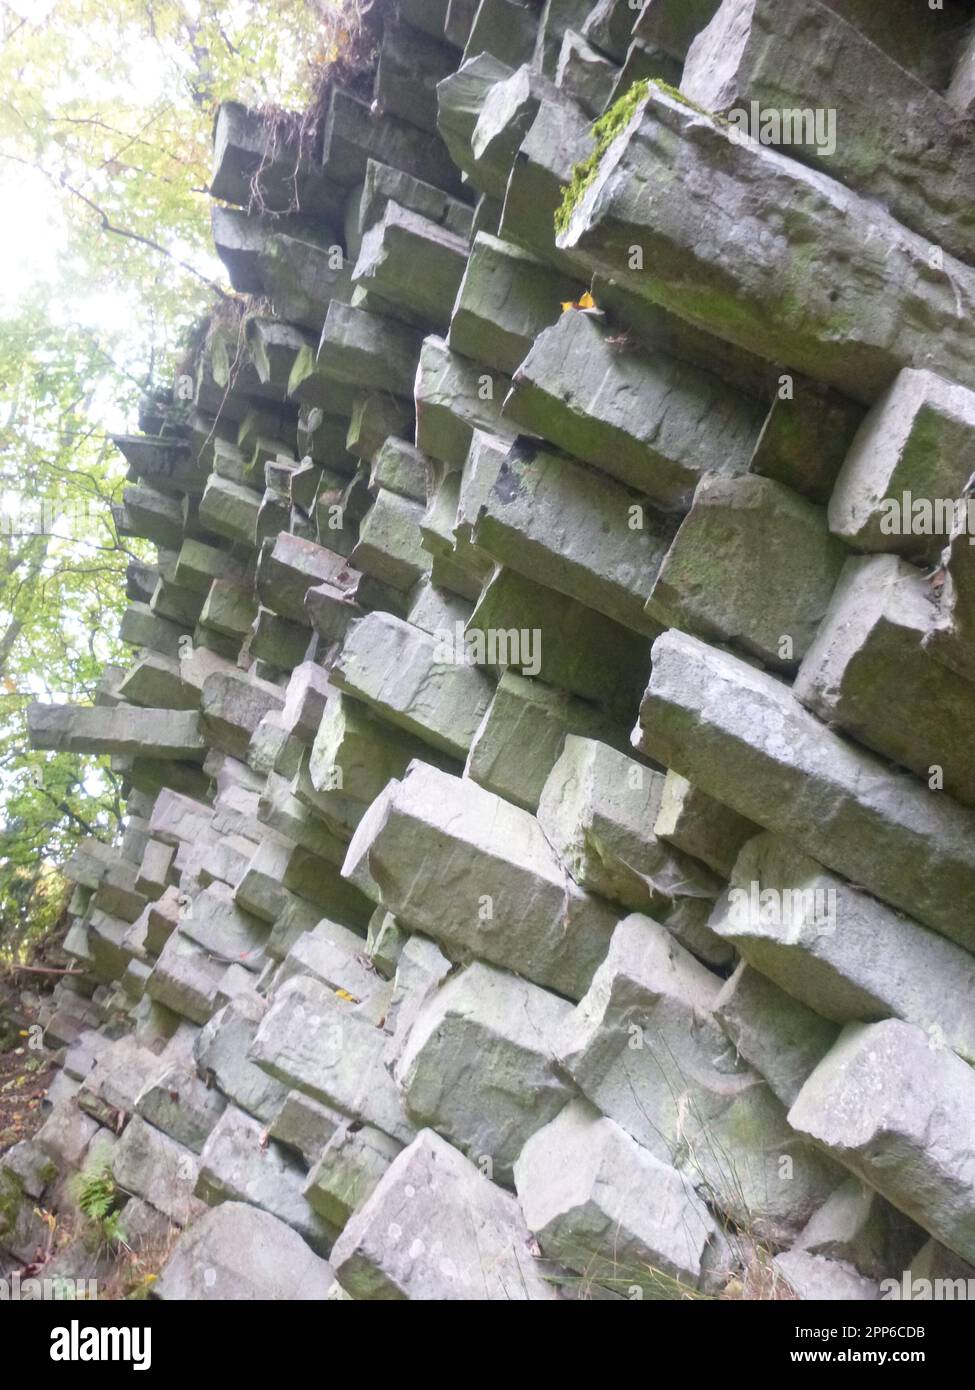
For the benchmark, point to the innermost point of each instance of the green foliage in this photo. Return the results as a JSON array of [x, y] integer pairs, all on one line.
[[105, 134], [97, 1196], [604, 132]]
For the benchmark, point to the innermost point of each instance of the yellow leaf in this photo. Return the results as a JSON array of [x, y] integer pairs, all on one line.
[[344, 994], [587, 301], [567, 304]]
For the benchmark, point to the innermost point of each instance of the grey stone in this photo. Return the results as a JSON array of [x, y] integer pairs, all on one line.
[[434, 1228], [305, 1125], [492, 885], [159, 733], [644, 1048], [389, 546], [240, 1164], [569, 528], [596, 809], [506, 299], [841, 952], [479, 1066], [855, 1224], [312, 1041], [654, 424], [350, 1169], [773, 53], [157, 1168], [740, 734], [915, 445], [232, 706], [601, 1205], [366, 350], [412, 262], [353, 135], [821, 1280], [453, 399], [776, 1034], [869, 672], [179, 1104], [399, 672], [829, 324], [753, 564], [237, 1253], [899, 1113], [220, 1053], [521, 737], [806, 437], [694, 822]]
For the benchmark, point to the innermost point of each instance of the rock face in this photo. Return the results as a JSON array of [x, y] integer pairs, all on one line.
[[550, 801]]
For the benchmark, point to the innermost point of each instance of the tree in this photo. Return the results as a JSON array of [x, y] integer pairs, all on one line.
[[106, 112]]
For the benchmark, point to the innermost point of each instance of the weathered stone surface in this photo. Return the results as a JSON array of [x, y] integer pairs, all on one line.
[[305, 1125], [312, 1041], [567, 527], [522, 734], [781, 1038], [350, 1169], [828, 322], [453, 399], [915, 446], [220, 1052], [605, 662], [164, 1172], [813, 1277], [654, 424], [232, 705], [492, 885], [506, 116], [869, 672], [479, 1064], [239, 1164], [855, 1224], [601, 1205], [644, 1048], [151, 733], [900, 1113], [435, 1229], [838, 950], [806, 437], [504, 28], [236, 1252], [229, 509], [700, 826], [584, 73], [353, 135], [779, 55], [365, 350], [753, 564], [383, 185], [389, 546], [180, 1104], [412, 262], [397, 670], [284, 179], [185, 979], [559, 139], [596, 810], [460, 98], [741, 735], [289, 567], [333, 955], [506, 298]]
